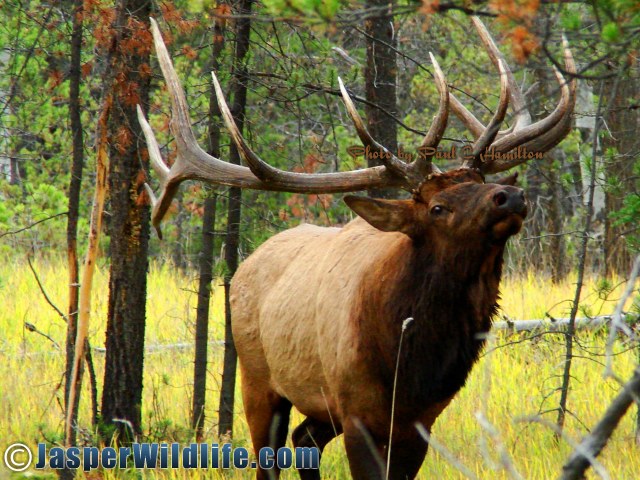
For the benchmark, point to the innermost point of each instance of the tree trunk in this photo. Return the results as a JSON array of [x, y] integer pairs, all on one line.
[[239, 89], [557, 246], [74, 207], [624, 123], [206, 254], [582, 260], [129, 225], [535, 218], [380, 82], [178, 250]]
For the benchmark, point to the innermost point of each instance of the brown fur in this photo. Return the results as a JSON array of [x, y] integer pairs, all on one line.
[[318, 313]]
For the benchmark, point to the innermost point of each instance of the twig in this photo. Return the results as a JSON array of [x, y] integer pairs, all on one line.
[[14, 232], [505, 459], [442, 450], [597, 466], [405, 324], [44, 293], [616, 322], [582, 255], [32, 328]]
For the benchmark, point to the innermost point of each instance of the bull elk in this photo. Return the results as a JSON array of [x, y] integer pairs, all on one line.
[[319, 313]]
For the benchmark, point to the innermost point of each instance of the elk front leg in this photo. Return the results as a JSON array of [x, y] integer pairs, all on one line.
[[367, 453]]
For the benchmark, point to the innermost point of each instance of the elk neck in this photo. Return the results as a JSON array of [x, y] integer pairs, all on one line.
[[452, 300]]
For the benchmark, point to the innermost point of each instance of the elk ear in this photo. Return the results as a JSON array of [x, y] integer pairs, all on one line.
[[508, 180], [385, 215]]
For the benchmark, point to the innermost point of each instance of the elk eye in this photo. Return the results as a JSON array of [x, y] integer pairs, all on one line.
[[437, 210]]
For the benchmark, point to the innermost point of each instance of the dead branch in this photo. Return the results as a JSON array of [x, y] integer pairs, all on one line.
[[578, 462]]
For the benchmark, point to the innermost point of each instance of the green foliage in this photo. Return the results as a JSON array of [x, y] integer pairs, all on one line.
[[570, 19], [611, 32], [309, 9], [629, 217]]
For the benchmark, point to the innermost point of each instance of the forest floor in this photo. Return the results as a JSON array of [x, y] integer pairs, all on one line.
[[517, 378]]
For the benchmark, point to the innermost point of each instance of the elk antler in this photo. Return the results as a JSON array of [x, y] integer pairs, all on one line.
[[194, 163], [540, 136]]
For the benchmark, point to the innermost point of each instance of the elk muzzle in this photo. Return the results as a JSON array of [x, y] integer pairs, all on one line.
[[511, 200], [511, 209]]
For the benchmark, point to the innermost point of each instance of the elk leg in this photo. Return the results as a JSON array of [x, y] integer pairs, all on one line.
[[314, 433], [367, 454], [364, 454], [407, 456], [268, 418]]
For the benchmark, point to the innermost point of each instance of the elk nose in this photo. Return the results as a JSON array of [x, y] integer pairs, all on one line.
[[511, 199]]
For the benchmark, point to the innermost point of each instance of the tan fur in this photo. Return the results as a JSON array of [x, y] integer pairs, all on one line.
[[304, 296]]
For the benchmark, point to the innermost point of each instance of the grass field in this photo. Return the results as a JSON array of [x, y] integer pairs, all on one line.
[[514, 380]]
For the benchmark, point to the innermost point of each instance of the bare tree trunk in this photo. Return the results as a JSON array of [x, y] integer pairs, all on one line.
[[206, 253], [178, 252], [555, 225], [537, 192], [582, 260], [75, 182], [74, 207], [239, 89], [129, 227], [535, 218], [380, 82], [84, 294], [202, 316], [624, 123]]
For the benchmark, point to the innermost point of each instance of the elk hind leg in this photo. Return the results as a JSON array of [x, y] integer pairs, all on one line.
[[268, 418], [313, 433]]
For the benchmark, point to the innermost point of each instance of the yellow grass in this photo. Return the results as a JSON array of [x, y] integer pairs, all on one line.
[[508, 384]]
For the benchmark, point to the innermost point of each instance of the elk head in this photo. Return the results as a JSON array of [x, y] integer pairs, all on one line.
[[432, 205]]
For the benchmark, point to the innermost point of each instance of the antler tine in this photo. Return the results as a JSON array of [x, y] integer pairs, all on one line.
[[517, 100], [259, 167], [518, 103], [467, 118], [392, 162], [157, 163], [535, 130], [160, 168], [555, 135], [423, 164], [490, 133]]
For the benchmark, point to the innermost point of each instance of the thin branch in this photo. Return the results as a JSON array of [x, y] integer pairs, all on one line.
[[44, 293], [336, 92], [597, 466], [32, 328], [617, 322], [505, 459], [14, 232], [442, 450], [582, 260]]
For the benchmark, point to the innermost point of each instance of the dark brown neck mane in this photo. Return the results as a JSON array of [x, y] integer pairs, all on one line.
[[452, 306]]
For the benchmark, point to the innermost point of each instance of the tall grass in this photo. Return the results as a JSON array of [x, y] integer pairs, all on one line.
[[517, 378]]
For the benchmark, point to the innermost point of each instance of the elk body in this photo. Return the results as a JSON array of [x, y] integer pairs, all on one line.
[[329, 320], [318, 314]]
